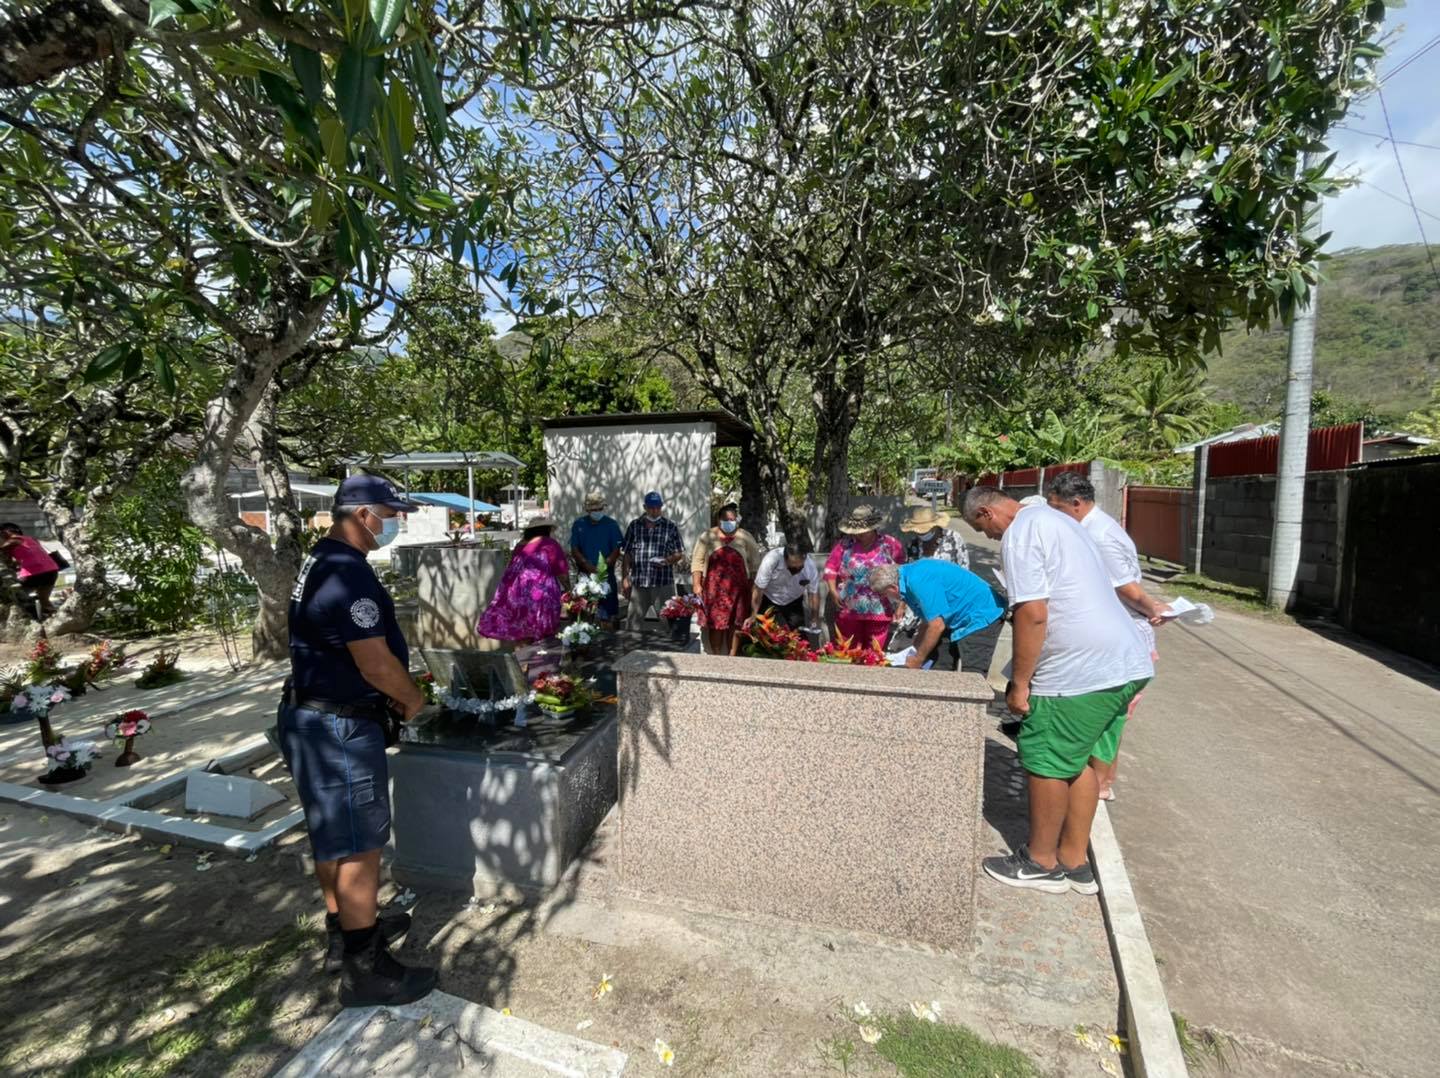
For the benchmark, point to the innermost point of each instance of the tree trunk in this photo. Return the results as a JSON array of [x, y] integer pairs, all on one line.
[[837, 413], [39, 44], [271, 633], [752, 492], [227, 419]]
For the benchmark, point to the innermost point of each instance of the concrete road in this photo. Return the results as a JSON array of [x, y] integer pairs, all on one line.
[[1279, 811]]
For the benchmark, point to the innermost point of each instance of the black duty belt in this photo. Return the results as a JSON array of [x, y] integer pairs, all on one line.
[[375, 710]]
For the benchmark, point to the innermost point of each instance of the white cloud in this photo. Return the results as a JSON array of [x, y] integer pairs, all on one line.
[[1375, 212]]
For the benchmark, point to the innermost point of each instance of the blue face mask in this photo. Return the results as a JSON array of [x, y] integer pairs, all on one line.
[[389, 529], [729, 526], [597, 516]]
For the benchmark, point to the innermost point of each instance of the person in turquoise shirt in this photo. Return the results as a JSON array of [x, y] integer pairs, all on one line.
[[951, 603], [595, 540]]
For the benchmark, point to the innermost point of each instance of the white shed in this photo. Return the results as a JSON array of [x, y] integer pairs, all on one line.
[[623, 456]]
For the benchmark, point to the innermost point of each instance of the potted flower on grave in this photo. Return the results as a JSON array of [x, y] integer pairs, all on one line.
[[574, 607], [43, 663], [163, 670], [67, 761], [123, 730], [37, 700], [677, 613]]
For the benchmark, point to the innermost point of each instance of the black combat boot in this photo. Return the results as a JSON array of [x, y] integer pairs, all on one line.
[[373, 978]]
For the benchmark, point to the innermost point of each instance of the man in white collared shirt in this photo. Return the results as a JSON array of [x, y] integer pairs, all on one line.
[[1074, 496], [787, 586]]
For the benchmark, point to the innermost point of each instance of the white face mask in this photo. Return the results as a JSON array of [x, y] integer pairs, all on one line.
[[729, 526], [596, 515], [389, 529]]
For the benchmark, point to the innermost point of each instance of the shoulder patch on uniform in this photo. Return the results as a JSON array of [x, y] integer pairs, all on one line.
[[365, 613]]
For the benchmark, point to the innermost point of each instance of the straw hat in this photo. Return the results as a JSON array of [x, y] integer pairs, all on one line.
[[594, 501], [921, 520], [862, 519], [544, 520]]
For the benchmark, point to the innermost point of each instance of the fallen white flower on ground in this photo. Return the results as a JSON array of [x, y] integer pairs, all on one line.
[[664, 1053], [869, 1034], [605, 986], [580, 1027], [862, 1009], [929, 1012]]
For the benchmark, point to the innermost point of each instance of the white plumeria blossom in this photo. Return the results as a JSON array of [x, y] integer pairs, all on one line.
[[862, 1009], [927, 1012], [869, 1034]]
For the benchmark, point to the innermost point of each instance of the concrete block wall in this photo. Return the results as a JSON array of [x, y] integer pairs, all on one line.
[[26, 512], [1239, 521]]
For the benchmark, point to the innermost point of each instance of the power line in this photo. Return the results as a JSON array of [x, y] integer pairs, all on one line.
[[1385, 111], [1421, 51], [1387, 138], [1394, 197]]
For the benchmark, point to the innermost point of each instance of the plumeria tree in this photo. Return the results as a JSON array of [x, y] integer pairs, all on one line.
[[810, 191]]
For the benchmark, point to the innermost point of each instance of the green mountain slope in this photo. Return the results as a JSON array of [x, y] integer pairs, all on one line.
[[1378, 340]]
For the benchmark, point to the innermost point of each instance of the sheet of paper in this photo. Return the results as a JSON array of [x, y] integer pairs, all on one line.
[[900, 658], [1179, 605], [1182, 609]]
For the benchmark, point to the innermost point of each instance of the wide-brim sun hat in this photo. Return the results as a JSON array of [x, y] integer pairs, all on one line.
[[922, 520], [862, 519], [545, 520]]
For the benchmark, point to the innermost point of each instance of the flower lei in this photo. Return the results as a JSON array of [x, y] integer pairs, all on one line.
[[471, 706]]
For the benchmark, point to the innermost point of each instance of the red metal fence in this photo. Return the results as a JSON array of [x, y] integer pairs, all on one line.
[[1160, 521], [1030, 477], [1330, 448]]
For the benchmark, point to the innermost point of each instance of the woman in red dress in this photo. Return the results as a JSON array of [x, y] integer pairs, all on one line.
[[722, 566]]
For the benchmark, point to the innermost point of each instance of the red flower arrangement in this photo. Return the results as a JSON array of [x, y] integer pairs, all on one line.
[[845, 650], [766, 638], [576, 607], [682, 606]]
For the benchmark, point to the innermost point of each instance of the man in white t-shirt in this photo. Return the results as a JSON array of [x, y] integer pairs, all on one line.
[[787, 585], [1078, 662], [1073, 495]]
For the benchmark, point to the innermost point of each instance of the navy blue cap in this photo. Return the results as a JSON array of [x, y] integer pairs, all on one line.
[[653, 500], [371, 490]]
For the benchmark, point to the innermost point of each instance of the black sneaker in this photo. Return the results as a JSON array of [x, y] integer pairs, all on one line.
[[1082, 879], [373, 978], [392, 927], [1019, 871]]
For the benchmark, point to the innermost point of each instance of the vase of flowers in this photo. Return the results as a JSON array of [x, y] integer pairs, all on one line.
[[677, 614], [123, 730], [67, 761], [37, 700]]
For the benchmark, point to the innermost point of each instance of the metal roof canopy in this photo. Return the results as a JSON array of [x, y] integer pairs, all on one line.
[[729, 430], [464, 460], [452, 501]]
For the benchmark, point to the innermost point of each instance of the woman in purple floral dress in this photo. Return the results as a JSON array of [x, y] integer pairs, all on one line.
[[526, 606]]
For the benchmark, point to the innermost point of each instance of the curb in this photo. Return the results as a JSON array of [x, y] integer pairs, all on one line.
[[1154, 1048]]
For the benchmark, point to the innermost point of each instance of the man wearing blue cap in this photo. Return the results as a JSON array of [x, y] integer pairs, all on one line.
[[652, 550], [349, 670]]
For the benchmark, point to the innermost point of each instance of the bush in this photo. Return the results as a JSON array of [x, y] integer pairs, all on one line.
[[146, 537]]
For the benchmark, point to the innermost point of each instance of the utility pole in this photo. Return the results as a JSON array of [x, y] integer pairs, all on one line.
[[1294, 433]]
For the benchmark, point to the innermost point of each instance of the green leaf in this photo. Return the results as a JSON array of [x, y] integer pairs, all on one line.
[[437, 120], [310, 71], [322, 208], [402, 109], [1297, 284], [387, 15], [1092, 310], [1368, 50], [134, 360], [164, 373], [335, 142], [356, 88], [1274, 67], [161, 10], [106, 362], [279, 90], [321, 286], [459, 237], [1164, 86]]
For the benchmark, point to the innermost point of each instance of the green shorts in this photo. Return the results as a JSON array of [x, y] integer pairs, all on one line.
[[1061, 733]]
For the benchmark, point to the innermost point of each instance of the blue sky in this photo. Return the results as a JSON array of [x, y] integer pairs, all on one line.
[[1375, 212]]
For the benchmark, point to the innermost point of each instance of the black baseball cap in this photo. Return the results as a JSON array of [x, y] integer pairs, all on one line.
[[360, 490]]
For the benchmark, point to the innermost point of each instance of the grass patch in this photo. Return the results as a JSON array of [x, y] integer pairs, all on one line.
[[1223, 596], [236, 990], [921, 1049], [1202, 1047]]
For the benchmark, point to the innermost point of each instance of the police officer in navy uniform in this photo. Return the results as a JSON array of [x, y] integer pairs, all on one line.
[[349, 669]]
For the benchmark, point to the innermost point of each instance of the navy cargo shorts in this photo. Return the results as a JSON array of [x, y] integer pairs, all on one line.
[[341, 777]]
